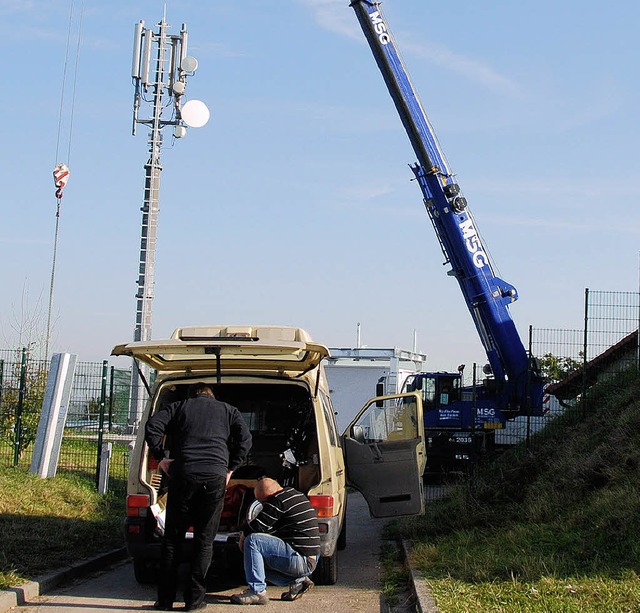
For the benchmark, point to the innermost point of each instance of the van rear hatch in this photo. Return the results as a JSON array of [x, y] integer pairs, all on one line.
[[191, 350]]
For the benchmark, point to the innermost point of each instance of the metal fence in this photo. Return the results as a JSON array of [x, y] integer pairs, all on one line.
[[558, 352], [610, 318], [97, 414], [574, 361]]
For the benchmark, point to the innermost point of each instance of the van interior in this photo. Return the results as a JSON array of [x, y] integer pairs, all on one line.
[[282, 422]]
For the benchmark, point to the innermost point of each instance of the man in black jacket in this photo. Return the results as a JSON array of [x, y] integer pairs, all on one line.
[[208, 441]]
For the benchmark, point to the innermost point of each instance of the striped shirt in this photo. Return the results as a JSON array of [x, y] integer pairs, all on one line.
[[288, 514]]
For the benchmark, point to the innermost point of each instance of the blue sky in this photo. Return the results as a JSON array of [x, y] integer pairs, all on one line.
[[295, 204]]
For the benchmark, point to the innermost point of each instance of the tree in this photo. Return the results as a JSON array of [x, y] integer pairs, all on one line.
[[555, 368], [27, 405], [26, 325]]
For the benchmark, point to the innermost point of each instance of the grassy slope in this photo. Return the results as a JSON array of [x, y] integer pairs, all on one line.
[[49, 523], [556, 529]]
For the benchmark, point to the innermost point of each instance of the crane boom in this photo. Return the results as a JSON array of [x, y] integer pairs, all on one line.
[[519, 387]]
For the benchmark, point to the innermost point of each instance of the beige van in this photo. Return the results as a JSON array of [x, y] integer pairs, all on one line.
[[274, 376]]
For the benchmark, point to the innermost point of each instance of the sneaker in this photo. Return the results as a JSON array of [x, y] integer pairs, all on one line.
[[158, 605], [298, 589], [250, 597]]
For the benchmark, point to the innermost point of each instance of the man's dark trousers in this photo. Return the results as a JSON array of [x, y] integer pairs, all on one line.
[[192, 501]]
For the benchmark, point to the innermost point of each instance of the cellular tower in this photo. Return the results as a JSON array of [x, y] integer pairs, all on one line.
[[160, 69]]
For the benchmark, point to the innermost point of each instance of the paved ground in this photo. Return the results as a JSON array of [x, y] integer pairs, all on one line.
[[357, 590]]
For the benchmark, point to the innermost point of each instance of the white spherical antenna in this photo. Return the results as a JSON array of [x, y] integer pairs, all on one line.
[[189, 64], [195, 113]]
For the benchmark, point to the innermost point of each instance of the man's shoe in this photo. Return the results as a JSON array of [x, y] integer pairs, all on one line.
[[158, 605], [250, 597], [298, 589], [195, 607]]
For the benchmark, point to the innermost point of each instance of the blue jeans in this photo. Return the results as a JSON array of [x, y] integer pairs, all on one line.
[[269, 558]]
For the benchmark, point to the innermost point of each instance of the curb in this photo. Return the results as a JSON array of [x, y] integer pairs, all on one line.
[[22, 594], [424, 600]]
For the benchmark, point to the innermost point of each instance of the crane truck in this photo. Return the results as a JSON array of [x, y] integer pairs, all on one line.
[[460, 422]]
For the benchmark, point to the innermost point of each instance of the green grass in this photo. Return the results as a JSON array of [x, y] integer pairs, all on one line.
[[553, 529], [546, 595], [77, 453], [395, 576], [48, 523]]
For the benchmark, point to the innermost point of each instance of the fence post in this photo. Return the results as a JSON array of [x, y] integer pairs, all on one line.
[[638, 335], [112, 373], [21, 393], [53, 417], [528, 436], [584, 352], [1, 380], [103, 398], [106, 450], [474, 405]]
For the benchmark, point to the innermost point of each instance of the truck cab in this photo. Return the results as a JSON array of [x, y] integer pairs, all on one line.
[[459, 422]]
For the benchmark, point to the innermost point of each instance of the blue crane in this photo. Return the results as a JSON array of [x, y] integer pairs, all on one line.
[[516, 387]]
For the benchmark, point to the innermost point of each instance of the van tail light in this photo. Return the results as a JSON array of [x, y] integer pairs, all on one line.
[[323, 505], [137, 505]]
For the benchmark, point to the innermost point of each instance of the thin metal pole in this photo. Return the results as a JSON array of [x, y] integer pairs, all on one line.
[[638, 333], [1, 381], [53, 275], [103, 398], [21, 394], [111, 385], [474, 397], [528, 437], [584, 352]]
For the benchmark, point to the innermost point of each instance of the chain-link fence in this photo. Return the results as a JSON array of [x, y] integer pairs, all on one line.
[[574, 361], [573, 364], [97, 415], [558, 352], [611, 327], [22, 384]]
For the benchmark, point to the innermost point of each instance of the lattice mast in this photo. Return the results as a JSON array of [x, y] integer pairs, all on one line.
[[160, 79]]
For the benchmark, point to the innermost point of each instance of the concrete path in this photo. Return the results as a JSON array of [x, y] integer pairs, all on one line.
[[357, 590]]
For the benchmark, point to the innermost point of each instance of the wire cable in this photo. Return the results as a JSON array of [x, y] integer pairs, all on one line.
[[60, 121]]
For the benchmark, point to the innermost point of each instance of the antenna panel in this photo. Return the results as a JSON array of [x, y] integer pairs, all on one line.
[[146, 57], [137, 45]]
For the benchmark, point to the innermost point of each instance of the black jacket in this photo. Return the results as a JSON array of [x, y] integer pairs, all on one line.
[[207, 437]]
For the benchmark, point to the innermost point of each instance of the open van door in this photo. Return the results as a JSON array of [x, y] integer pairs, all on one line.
[[385, 455]]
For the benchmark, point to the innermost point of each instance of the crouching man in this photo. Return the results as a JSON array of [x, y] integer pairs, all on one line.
[[280, 545]]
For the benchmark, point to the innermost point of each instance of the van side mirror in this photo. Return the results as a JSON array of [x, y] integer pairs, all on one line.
[[357, 434]]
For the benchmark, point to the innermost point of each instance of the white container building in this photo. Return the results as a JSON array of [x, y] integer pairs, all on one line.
[[354, 374]]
